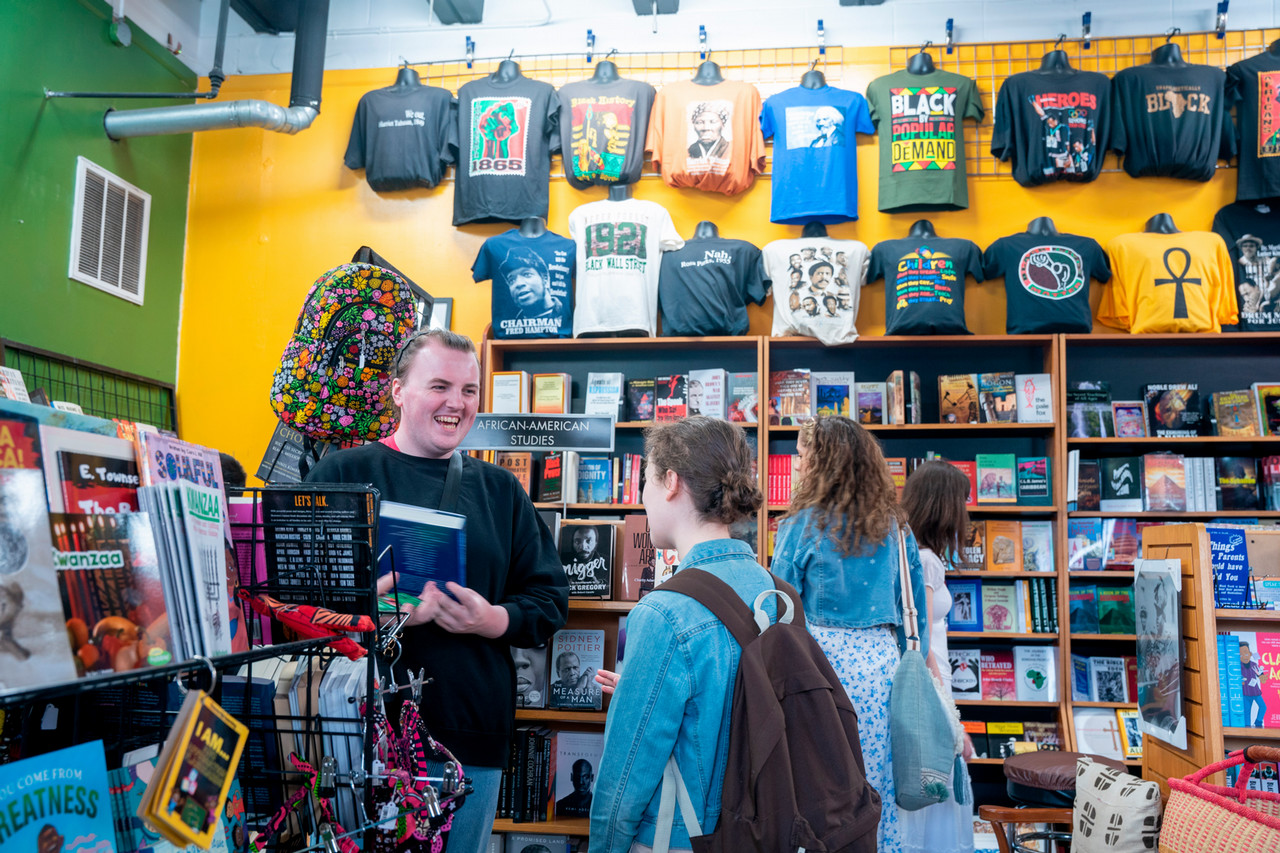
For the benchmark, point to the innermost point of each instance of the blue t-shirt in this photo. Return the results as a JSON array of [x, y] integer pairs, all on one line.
[[815, 154], [532, 283]]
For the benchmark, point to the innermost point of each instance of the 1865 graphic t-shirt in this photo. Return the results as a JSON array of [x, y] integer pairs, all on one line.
[[704, 288], [817, 285], [602, 131], [506, 134], [532, 283], [620, 246], [1178, 282], [707, 137], [1053, 125], [1253, 85], [1252, 235], [924, 283], [815, 154], [920, 118], [1046, 280], [403, 136], [1171, 120]]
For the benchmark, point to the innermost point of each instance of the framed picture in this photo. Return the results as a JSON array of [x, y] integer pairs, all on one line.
[[441, 313], [1130, 417], [1130, 732], [1157, 599]]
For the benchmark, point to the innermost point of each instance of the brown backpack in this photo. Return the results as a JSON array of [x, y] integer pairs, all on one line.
[[795, 778]]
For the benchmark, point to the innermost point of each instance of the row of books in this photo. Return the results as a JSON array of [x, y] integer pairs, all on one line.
[[1249, 678], [549, 775], [1097, 609], [1003, 738], [1172, 410], [1097, 678], [1105, 544], [1027, 606], [1019, 674], [610, 557], [1246, 568], [1171, 482], [1265, 776], [569, 477], [1005, 397], [1007, 545]]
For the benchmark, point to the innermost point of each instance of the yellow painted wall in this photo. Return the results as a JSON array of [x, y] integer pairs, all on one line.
[[269, 213]]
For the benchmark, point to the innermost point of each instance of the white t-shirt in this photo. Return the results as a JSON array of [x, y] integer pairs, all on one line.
[[935, 578], [620, 246], [817, 284]]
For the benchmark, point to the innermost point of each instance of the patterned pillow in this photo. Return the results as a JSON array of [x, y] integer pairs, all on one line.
[[1114, 812]]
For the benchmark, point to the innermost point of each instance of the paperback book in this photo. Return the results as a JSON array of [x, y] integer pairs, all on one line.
[[958, 398], [1089, 410], [1035, 398], [706, 391], [636, 577], [586, 552], [89, 473], [834, 392], [426, 545], [871, 403], [1130, 418], [1235, 413], [997, 402], [641, 394], [58, 801], [576, 657], [604, 395], [789, 402], [1173, 409], [997, 478], [531, 676], [595, 480], [577, 762], [673, 401]]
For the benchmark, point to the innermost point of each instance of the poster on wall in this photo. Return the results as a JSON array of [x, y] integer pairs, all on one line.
[[1157, 588]]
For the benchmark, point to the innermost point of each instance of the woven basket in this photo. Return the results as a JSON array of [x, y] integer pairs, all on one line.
[[1205, 818]]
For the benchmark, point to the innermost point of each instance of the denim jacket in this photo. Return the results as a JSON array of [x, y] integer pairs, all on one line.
[[674, 695], [858, 591]]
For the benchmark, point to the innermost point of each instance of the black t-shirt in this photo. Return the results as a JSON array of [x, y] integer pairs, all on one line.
[[602, 131], [1252, 235], [704, 288], [507, 133], [1253, 86], [469, 703], [1168, 120], [403, 136], [1046, 280], [532, 283], [924, 283], [1054, 126]]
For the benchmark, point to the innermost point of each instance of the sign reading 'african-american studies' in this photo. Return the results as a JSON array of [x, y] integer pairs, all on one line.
[[583, 433]]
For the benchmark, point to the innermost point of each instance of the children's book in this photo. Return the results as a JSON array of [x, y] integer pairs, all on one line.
[[89, 473], [58, 802]]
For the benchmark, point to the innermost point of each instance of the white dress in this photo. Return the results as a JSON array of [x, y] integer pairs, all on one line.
[[948, 826]]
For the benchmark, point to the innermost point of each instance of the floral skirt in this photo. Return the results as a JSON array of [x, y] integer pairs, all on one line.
[[865, 660]]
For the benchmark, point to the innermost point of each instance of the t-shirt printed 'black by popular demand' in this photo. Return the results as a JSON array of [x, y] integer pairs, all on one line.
[[1046, 280], [924, 283]]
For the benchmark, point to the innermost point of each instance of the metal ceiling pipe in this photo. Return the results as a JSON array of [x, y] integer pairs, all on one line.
[[304, 95]]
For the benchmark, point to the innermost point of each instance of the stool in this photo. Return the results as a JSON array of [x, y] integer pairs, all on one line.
[[1043, 783]]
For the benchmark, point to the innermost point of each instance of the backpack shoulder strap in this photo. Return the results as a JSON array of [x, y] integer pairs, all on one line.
[[718, 597], [791, 592]]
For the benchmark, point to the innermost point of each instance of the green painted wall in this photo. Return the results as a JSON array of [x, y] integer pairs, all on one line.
[[62, 45]]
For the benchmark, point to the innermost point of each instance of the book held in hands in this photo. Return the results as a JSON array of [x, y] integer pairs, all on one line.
[[427, 545]]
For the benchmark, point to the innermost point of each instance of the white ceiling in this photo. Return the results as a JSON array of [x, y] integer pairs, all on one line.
[[381, 33]]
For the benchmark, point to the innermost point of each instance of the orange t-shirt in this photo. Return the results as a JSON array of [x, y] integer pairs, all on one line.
[[1179, 282], [707, 137]]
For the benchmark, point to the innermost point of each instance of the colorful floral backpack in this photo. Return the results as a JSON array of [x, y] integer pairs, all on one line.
[[334, 377]]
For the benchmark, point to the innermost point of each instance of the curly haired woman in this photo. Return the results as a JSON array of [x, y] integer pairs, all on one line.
[[838, 546]]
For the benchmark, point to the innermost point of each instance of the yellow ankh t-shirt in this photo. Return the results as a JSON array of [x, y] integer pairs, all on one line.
[[1169, 283]]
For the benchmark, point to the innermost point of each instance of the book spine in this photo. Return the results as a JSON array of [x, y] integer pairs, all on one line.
[[1235, 687], [1223, 701], [1037, 607], [1053, 605], [547, 784]]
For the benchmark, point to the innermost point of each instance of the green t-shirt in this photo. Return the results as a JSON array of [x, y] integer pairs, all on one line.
[[920, 119]]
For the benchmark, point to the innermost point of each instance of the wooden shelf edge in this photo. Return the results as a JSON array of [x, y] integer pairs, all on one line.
[[1001, 703], [938, 427], [598, 605], [1247, 615], [556, 715], [567, 826], [1250, 733], [1123, 638], [575, 507], [1130, 705], [1002, 635], [985, 573], [1222, 513], [1194, 439], [1116, 573], [985, 509]]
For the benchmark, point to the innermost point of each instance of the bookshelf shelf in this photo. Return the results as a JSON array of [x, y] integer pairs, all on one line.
[[1119, 574], [998, 576], [572, 826], [1197, 440], [601, 606], [1120, 638], [551, 715], [1251, 734], [1003, 635], [984, 510], [1222, 513], [1240, 615], [646, 424], [991, 762], [1133, 705], [1000, 703], [576, 507], [933, 430]]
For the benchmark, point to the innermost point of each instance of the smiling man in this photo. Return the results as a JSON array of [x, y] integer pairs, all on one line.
[[516, 592]]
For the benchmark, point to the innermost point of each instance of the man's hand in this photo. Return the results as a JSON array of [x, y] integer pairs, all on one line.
[[468, 614], [607, 680]]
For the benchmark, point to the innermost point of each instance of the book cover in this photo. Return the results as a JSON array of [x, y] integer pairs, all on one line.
[[586, 552], [999, 606], [743, 397], [1164, 482], [1229, 554], [1035, 398], [1121, 482], [666, 561], [1130, 733], [997, 478], [977, 731], [707, 392], [1083, 608], [128, 786], [551, 478], [672, 398], [13, 386], [509, 392], [1036, 669], [20, 442], [576, 657], [897, 466], [426, 545], [1085, 548], [641, 395], [520, 464], [595, 480], [1122, 545], [958, 398], [1004, 546], [58, 802], [89, 473], [998, 681], [1089, 410], [834, 392], [1232, 650], [1268, 673], [604, 395], [904, 397], [1045, 736], [636, 577], [528, 842], [1003, 737], [1097, 732], [789, 402], [1081, 686], [577, 762], [1130, 418], [965, 673], [966, 604], [1237, 482], [1037, 546], [1235, 413], [1035, 486], [1267, 397], [1108, 679], [1173, 409], [871, 402], [531, 676], [997, 402], [1088, 485], [973, 551], [34, 650], [551, 393], [1115, 610]]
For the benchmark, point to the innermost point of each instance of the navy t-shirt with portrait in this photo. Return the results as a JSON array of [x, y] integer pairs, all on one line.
[[532, 283], [924, 283], [1046, 280]]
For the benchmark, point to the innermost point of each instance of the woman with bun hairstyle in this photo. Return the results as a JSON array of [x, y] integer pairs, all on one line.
[[838, 546], [934, 501], [674, 693]]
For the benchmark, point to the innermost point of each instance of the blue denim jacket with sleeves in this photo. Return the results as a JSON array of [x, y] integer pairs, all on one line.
[[673, 697], [861, 590]]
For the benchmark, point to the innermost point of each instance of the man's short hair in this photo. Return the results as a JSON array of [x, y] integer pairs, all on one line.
[[813, 269], [522, 258], [445, 337]]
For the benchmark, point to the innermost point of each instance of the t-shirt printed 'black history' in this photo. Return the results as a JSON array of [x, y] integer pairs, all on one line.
[[1052, 125], [924, 283]]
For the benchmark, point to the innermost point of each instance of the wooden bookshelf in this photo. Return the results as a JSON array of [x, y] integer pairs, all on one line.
[[567, 826], [1222, 513], [1104, 705], [1251, 733], [554, 715], [1119, 638], [1002, 636], [1239, 615], [594, 605], [603, 509], [1002, 703]]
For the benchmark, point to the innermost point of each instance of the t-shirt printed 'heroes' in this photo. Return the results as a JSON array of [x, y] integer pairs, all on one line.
[[924, 283], [1053, 126], [532, 284], [1046, 280]]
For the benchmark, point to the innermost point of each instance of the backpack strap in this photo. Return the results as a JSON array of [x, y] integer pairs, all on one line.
[[674, 792], [452, 484], [718, 597]]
